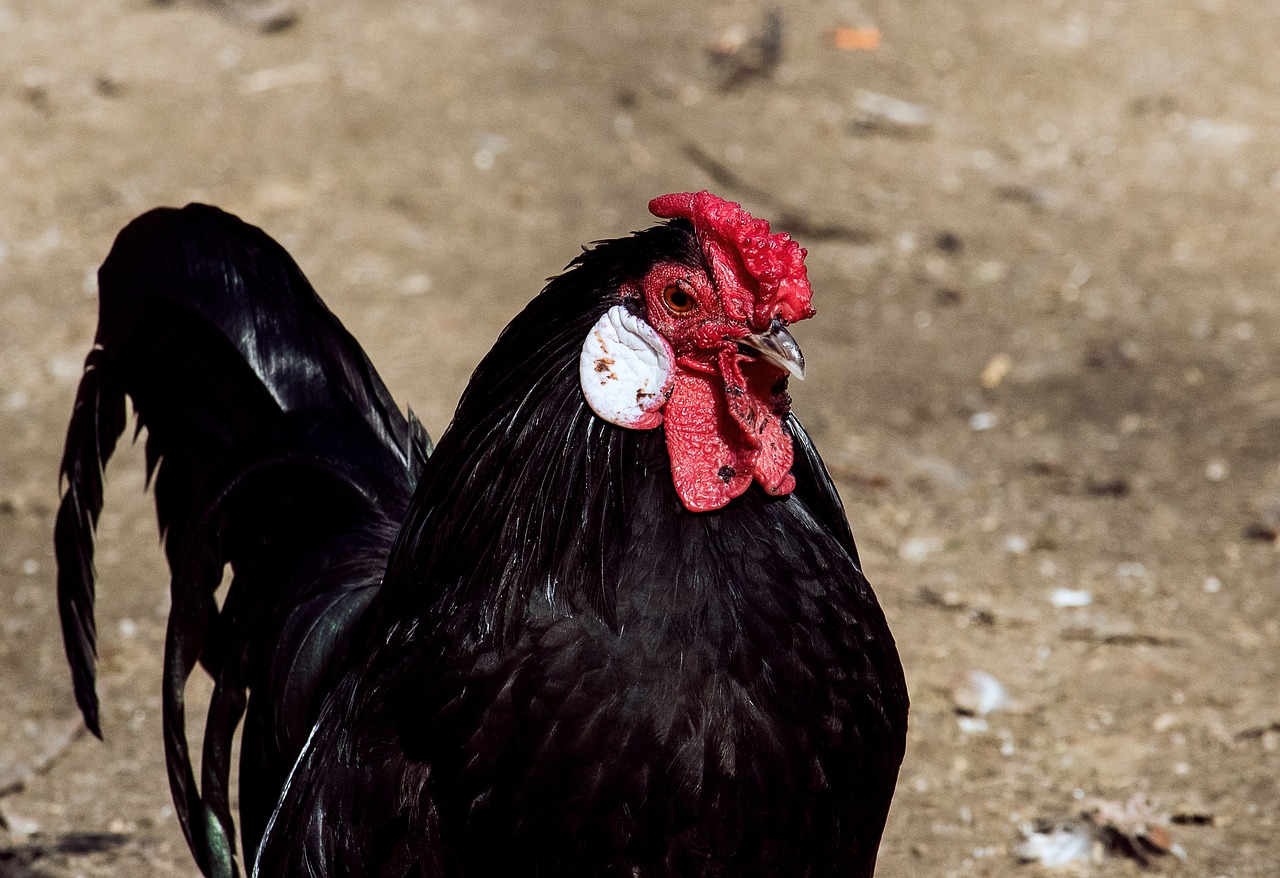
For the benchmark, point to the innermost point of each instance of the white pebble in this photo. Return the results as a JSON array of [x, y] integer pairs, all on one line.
[[22, 827], [1131, 570], [65, 368], [919, 548], [980, 421], [882, 111], [415, 285], [1016, 544], [978, 693], [1071, 597]]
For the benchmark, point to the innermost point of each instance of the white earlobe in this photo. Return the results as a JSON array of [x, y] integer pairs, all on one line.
[[625, 370]]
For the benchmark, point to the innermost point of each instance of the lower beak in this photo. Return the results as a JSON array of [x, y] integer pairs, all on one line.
[[776, 346]]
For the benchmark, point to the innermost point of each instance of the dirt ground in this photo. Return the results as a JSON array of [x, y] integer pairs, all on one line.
[[1046, 354]]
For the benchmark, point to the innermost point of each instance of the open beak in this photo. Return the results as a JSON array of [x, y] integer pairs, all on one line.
[[775, 346]]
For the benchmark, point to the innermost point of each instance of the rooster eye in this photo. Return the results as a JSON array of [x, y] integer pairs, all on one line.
[[678, 299]]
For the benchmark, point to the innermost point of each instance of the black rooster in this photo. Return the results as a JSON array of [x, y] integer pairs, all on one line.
[[614, 625]]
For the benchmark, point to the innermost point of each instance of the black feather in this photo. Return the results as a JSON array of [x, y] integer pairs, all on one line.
[[97, 421], [565, 673], [272, 441]]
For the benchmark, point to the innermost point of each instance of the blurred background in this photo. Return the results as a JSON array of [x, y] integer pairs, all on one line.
[[1044, 370]]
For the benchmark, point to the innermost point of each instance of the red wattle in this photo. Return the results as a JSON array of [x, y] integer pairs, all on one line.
[[722, 433], [708, 471]]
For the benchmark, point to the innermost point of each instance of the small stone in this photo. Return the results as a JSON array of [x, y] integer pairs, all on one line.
[[880, 113], [977, 693], [21, 827], [980, 421], [990, 271], [415, 285], [1131, 570], [995, 371], [1016, 544], [916, 549], [1071, 597], [65, 368]]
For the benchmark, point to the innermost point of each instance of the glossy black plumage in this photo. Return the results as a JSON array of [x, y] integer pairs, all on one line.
[[564, 672], [274, 447]]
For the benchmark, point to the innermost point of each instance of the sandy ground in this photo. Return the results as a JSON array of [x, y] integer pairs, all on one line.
[[1045, 357]]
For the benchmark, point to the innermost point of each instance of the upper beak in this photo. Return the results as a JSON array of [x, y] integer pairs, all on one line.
[[776, 346]]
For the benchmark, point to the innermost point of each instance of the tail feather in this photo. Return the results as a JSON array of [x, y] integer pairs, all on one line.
[[270, 440], [97, 421]]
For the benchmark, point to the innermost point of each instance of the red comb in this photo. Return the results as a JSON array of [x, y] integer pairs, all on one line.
[[768, 267]]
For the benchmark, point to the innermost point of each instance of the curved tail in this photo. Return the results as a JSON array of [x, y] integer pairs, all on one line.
[[274, 447]]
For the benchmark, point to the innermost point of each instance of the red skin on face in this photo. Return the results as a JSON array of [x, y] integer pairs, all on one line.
[[724, 416]]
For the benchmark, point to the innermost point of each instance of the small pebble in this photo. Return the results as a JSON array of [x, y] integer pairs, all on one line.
[[977, 693], [888, 115], [995, 371], [1131, 570], [919, 548], [21, 827], [1071, 597], [980, 421], [66, 368], [1016, 544], [415, 285], [990, 271]]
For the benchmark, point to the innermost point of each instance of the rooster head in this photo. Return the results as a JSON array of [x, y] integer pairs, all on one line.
[[705, 352]]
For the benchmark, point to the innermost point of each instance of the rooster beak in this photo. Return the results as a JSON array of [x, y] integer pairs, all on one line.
[[776, 346]]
